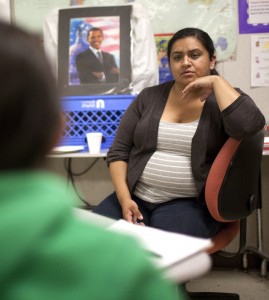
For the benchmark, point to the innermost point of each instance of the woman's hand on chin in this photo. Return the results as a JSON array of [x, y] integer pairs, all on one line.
[[202, 87]]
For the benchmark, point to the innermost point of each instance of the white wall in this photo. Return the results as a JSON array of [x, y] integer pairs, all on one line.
[[237, 72]]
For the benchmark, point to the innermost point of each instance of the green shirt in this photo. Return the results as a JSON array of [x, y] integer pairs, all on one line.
[[47, 253]]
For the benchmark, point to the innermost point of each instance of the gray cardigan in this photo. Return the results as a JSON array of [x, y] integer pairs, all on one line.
[[136, 137]]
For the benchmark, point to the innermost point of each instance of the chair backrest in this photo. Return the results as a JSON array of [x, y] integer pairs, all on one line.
[[232, 187]]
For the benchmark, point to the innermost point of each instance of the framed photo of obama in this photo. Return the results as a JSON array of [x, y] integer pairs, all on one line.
[[94, 45]]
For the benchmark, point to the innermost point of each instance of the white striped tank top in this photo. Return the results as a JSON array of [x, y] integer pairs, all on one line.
[[168, 173]]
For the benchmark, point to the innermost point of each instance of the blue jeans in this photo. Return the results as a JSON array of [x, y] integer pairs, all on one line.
[[184, 215]]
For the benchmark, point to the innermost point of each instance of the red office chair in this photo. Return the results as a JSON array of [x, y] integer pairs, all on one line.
[[232, 194]]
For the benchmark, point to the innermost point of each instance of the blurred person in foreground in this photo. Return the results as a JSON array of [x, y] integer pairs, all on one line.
[[47, 253]]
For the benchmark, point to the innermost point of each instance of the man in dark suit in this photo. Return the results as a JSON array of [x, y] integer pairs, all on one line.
[[94, 65]]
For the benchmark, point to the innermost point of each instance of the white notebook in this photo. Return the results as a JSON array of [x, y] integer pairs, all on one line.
[[167, 248]]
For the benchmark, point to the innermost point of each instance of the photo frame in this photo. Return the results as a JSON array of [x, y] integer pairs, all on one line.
[[79, 71]]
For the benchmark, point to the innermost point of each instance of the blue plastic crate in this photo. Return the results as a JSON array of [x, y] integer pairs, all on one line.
[[100, 113]]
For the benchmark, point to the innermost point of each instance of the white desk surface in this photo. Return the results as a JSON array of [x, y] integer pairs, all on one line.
[[188, 269], [81, 154], [103, 153]]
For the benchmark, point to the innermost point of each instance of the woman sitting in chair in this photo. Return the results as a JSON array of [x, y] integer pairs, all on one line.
[[169, 137]]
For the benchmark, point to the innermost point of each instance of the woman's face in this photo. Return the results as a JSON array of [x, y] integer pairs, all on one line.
[[189, 60]]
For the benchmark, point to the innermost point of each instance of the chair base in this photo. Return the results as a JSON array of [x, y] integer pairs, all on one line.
[[212, 296]]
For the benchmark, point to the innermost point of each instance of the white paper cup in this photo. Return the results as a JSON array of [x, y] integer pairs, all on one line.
[[94, 140]]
